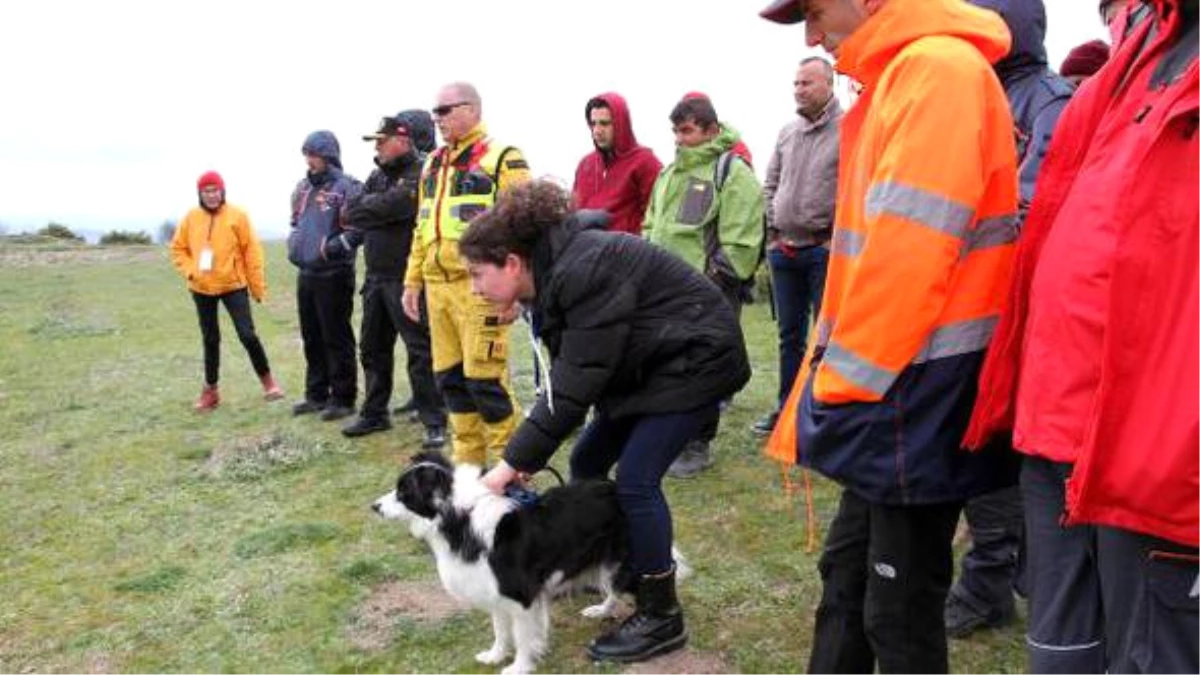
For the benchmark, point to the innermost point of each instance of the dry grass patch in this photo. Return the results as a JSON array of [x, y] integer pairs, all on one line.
[[683, 661], [251, 457], [374, 622]]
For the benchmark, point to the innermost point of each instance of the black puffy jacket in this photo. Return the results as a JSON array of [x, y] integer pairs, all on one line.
[[383, 217], [631, 329]]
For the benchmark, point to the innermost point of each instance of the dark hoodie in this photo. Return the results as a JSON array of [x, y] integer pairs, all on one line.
[[1036, 94], [319, 209], [618, 180]]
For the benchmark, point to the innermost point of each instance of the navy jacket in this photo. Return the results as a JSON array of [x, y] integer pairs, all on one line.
[[1036, 94]]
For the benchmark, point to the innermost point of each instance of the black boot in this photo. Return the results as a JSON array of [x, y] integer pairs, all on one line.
[[656, 627]]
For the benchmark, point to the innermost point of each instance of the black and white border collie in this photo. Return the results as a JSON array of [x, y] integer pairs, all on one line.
[[511, 560]]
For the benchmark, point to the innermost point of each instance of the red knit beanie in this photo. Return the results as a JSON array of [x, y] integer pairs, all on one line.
[[210, 178], [1085, 59]]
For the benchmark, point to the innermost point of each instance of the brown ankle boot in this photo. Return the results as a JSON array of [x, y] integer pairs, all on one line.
[[271, 390], [210, 398]]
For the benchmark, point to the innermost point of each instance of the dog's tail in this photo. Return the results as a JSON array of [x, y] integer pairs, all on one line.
[[682, 569]]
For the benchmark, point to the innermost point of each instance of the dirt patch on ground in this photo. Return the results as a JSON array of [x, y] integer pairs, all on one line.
[[683, 661], [254, 456], [374, 624], [98, 662]]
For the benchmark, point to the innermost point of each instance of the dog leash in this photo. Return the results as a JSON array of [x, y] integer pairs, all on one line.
[[526, 496]]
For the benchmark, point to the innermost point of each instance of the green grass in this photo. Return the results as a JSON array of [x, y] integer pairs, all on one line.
[[139, 536]]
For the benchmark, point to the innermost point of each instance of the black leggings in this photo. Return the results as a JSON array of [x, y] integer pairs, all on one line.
[[237, 303]]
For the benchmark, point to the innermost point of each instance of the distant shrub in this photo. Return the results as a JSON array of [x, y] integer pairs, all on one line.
[[59, 231], [123, 238], [166, 231]]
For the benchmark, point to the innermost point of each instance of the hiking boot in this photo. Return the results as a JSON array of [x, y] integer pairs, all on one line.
[[210, 398], [962, 619], [766, 424], [435, 437], [656, 627], [366, 425], [271, 390], [306, 407], [696, 457], [334, 412]]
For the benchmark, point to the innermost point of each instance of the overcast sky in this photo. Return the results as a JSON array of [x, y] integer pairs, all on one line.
[[112, 109]]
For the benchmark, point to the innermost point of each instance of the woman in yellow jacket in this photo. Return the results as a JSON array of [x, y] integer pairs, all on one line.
[[216, 251]]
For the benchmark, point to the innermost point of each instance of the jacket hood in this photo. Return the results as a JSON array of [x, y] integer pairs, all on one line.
[[1026, 21], [324, 145], [724, 141], [867, 51], [420, 129], [623, 138], [550, 247]]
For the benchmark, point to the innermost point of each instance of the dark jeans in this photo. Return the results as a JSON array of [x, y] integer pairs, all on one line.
[[991, 567], [642, 448], [383, 319], [1065, 632], [885, 571], [799, 281], [237, 303], [326, 303]]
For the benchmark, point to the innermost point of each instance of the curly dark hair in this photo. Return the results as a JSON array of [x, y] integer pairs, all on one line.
[[516, 223]]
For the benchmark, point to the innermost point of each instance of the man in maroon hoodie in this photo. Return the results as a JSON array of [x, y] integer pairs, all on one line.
[[619, 175]]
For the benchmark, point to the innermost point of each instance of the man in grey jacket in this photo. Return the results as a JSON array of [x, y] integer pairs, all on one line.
[[800, 192]]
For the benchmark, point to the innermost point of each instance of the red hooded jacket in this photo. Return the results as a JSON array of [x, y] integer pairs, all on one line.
[[619, 180], [1096, 357]]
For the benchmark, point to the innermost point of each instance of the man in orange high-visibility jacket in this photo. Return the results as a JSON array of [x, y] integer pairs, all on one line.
[[922, 244]]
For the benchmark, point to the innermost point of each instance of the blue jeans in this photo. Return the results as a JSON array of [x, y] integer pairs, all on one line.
[[643, 448], [799, 281]]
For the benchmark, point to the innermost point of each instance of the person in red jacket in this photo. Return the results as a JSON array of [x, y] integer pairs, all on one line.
[[619, 175], [1094, 365]]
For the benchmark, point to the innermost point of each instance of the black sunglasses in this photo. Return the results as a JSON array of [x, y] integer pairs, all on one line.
[[443, 110]]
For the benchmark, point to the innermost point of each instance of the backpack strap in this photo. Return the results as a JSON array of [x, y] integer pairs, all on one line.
[[721, 172]]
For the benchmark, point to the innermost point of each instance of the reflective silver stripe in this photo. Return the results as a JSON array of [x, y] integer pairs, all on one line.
[[955, 339], [919, 206], [847, 242], [857, 370], [424, 213], [1061, 648], [824, 330], [456, 209], [992, 232]]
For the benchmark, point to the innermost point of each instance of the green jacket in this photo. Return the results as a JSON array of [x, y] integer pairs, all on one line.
[[716, 232]]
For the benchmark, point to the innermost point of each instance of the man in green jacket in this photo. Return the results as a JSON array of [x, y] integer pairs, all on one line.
[[707, 208]]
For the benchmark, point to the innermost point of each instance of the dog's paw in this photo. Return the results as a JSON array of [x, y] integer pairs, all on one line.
[[517, 668], [603, 610], [492, 656]]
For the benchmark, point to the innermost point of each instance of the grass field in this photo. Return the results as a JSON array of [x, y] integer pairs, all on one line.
[[139, 536]]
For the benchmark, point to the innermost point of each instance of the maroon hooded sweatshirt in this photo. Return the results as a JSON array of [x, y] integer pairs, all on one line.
[[618, 180]]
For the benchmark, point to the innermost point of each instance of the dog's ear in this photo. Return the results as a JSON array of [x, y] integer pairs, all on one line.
[[424, 488]]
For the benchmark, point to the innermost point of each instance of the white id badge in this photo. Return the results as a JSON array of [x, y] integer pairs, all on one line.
[[206, 259]]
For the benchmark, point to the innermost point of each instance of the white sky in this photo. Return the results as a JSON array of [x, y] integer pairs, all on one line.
[[112, 109]]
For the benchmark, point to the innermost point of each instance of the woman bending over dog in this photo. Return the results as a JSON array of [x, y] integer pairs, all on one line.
[[632, 331]]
